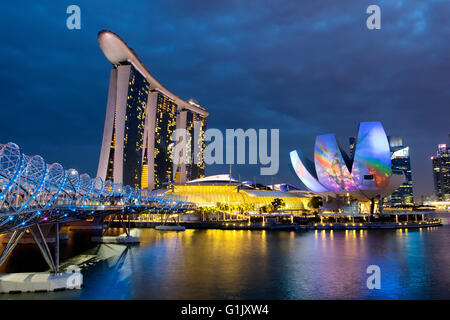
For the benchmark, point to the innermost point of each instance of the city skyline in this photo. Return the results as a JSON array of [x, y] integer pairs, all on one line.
[[216, 59], [166, 150]]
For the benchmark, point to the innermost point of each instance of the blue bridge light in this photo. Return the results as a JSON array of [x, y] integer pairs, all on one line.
[[35, 189]]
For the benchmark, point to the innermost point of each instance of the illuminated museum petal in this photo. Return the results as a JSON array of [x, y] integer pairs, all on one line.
[[372, 158], [305, 171], [331, 168]]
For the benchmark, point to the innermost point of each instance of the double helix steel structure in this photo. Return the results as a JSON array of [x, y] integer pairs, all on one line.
[[33, 192]]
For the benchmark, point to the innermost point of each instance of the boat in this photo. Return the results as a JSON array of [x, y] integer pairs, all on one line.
[[166, 227]]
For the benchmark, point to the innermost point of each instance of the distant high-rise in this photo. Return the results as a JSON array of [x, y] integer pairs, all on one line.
[[352, 142], [401, 161], [441, 172], [141, 118]]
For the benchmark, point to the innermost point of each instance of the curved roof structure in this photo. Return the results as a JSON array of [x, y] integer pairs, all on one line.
[[118, 52], [224, 178]]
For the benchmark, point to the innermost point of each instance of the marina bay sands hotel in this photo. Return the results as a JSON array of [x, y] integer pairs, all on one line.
[[141, 117]]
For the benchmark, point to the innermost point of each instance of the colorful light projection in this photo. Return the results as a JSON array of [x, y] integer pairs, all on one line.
[[332, 170], [300, 164], [372, 161], [370, 167]]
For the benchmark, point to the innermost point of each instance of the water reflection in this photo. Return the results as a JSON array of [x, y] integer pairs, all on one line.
[[243, 264]]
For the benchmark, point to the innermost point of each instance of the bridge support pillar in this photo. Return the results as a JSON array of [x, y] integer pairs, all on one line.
[[43, 247], [12, 243], [40, 241], [38, 281]]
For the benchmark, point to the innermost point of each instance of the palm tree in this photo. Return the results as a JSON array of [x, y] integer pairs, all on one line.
[[278, 203]]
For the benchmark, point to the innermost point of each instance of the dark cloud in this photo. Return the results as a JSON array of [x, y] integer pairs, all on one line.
[[308, 68]]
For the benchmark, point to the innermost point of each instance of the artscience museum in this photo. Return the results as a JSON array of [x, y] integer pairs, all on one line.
[[343, 181]]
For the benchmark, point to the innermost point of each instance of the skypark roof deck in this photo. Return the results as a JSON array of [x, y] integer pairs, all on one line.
[[118, 52]]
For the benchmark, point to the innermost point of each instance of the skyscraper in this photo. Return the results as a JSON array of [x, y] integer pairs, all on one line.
[[352, 143], [441, 172], [401, 161], [141, 118]]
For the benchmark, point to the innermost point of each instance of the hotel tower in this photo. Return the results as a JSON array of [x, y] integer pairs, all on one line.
[[141, 118]]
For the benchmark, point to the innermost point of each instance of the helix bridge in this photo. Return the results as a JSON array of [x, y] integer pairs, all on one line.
[[34, 193]]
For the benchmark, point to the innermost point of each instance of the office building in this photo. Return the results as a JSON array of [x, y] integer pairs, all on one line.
[[401, 161], [441, 172]]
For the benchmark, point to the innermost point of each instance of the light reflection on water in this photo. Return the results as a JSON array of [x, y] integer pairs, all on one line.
[[242, 264]]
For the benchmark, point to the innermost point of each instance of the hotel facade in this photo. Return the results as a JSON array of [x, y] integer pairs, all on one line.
[[141, 119]]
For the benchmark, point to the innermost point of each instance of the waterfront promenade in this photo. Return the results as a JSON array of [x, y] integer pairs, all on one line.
[[401, 220]]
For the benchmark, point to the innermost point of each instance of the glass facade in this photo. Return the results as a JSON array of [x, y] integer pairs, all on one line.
[[401, 162], [166, 111], [441, 172], [110, 167], [195, 146], [136, 110]]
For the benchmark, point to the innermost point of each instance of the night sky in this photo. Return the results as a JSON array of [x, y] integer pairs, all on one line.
[[306, 67]]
